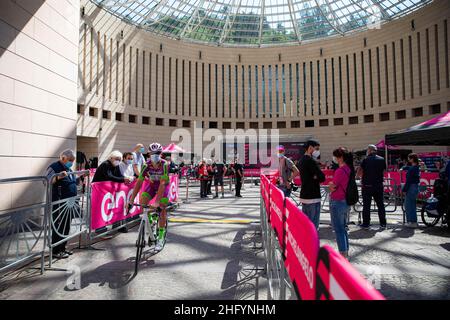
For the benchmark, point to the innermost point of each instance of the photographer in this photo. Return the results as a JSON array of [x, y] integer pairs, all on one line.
[[287, 172]]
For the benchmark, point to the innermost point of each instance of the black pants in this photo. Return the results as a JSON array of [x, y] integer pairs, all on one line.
[[375, 192], [62, 225], [203, 188], [238, 186], [208, 186]]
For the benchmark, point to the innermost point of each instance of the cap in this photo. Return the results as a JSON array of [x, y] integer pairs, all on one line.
[[280, 148]]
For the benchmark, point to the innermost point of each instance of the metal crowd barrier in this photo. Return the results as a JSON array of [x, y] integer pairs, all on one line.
[[280, 286], [192, 182], [68, 218], [23, 229]]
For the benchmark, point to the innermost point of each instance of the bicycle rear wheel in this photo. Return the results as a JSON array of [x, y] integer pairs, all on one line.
[[140, 245]]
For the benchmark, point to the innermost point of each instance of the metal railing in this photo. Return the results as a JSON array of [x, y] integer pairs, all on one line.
[[280, 286], [23, 229]]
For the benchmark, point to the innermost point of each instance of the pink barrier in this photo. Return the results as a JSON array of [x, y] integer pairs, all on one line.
[[108, 200], [329, 174], [302, 249], [277, 212], [316, 273], [338, 280], [265, 191]]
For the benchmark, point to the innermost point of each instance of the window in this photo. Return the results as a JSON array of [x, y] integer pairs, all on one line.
[[309, 123], [132, 118], [368, 118], [93, 112], [226, 125], [417, 112], [338, 121], [213, 125], [353, 120], [384, 116], [106, 114], [173, 123], [295, 124], [80, 109], [145, 120], [401, 114], [240, 125], [186, 124], [254, 125], [160, 122], [281, 125], [435, 109], [267, 125], [323, 123], [119, 116]]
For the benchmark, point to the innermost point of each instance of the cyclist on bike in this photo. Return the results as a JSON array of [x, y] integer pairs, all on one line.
[[157, 172]]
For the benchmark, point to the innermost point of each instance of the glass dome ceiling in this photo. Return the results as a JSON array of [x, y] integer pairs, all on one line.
[[257, 22]]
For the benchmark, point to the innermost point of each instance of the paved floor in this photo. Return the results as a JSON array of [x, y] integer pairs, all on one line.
[[402, 263], [221, 260]]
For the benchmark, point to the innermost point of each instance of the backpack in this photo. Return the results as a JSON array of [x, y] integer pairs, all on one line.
[[351, 194]]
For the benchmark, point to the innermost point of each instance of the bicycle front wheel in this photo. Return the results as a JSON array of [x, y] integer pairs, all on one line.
[[140, 245], [428, 221]]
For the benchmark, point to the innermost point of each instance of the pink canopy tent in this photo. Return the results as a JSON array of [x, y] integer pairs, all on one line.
[[382, 145], [173, 148]]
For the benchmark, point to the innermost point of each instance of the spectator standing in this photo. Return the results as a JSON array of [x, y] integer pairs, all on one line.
[[64, 186], [287, 172], [312, 177], [338, 202], [138, 159], [109, 170], [219, 170], [411, 190], [203, 176], [372, 172], [239, 175], [209, 167]]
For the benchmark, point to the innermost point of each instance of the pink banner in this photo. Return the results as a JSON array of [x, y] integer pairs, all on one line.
[[277, 212], [302, 249], [108, 201], [337, 279]]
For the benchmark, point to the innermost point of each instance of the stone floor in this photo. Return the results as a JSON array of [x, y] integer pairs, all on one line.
[[221, 259]]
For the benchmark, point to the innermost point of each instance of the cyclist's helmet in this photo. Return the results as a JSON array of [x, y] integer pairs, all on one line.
[[155, 148]]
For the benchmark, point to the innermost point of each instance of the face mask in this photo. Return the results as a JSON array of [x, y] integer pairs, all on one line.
[[155, 157], [316, 154], [280, 155], [129, 162], [69, 165], [142, 150], [116, 163]]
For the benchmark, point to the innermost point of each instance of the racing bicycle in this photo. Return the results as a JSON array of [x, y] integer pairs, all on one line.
[[148, 231]]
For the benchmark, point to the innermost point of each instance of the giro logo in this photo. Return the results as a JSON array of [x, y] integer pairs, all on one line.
[[173, 191], [111, 203]]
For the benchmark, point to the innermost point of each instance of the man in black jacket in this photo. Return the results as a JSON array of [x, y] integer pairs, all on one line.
[[372, 173], [311, 177]]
